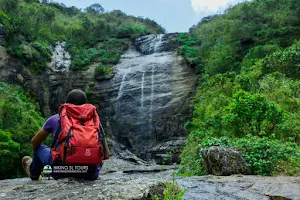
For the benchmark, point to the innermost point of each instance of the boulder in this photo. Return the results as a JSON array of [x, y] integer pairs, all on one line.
[[223, 161]]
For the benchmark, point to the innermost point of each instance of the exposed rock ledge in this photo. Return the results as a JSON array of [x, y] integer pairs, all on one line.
[[124, 180]]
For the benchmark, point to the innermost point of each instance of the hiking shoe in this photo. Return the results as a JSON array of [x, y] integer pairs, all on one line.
[[26, 162]]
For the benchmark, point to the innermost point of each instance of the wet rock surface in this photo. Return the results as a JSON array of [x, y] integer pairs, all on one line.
[[61, 59], [168, 152], [156, 43], [120, 179], [147, 101], [241, 187]]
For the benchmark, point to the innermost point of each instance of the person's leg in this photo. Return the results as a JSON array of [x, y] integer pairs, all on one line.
[[41, 157]]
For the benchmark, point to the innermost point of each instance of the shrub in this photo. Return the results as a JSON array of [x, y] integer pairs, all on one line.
[[102, 70], [285, 61], [266, 156], [172, 191], [257, 53], [9, 153], [131, 31], [20, 119], [251, 113]]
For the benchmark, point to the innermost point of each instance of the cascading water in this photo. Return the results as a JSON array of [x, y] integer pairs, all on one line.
[[61, 59], [147, 94]]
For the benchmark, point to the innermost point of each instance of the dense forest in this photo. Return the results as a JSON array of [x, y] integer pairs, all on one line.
[[249, 92], [247, 59]]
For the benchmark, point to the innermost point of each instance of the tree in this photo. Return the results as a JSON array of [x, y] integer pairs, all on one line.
[[9, 6], [251, 114], [95, 9], [221, 60]]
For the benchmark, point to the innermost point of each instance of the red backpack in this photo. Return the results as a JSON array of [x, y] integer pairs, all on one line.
[[78, 140]]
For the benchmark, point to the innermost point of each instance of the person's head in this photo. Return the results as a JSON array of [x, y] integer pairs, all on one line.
[[77, 97]]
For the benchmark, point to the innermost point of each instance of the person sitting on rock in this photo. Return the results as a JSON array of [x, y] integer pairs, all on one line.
[[43, 155]]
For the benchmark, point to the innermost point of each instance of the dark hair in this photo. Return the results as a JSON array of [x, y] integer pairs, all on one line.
[[77, 97]]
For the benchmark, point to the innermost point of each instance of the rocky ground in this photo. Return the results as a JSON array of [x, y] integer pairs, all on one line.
[[126, 180]]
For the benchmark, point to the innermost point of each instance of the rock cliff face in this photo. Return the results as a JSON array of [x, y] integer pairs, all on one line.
[[146, 102], [2, 35], [143, 104]]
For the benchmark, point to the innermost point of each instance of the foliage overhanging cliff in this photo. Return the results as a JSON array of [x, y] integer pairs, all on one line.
[[92, 35]]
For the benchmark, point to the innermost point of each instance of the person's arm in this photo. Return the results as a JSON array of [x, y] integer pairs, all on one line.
[[107, 152], [39, 137]]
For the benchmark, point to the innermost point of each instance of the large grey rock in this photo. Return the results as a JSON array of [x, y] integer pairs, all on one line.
[[10, 67], [168, 152], [122, 180], [241, 187], [103, 189], [2, 35], [224, 161]]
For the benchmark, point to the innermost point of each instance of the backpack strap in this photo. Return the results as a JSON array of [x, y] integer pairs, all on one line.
[[58, 130], [102, 136], [101, 132]]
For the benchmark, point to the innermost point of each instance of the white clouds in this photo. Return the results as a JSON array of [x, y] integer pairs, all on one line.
[[211, 6]]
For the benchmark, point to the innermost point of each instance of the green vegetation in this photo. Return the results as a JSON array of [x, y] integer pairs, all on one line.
[[102, 70], [20, 119], [91, 36], [248, 94], [172, 191]]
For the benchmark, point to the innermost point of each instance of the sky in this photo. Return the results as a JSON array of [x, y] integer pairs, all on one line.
[[173, 15]]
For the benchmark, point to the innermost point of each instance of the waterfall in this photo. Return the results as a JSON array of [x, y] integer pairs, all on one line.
[[137, 78], [61, 59], [158, 43], [144, 98], [121, 87], [142, 91], [152, 98], [151, 44]]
